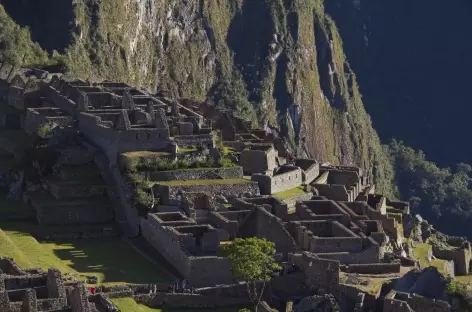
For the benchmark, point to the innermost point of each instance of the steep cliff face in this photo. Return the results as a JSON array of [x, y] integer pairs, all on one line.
[[287, 54], [413, 62]]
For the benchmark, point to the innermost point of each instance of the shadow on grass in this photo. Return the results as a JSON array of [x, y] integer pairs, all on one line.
[[112, 257]]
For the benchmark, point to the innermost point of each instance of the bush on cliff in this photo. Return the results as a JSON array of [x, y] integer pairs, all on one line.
[[16, 46], [442, 195]]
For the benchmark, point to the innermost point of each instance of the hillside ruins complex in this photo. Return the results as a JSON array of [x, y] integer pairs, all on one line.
[[208, 177]]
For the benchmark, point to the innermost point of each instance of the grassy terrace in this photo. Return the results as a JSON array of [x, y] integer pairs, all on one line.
[[157, 154], [112, 260], [290, 193], [203, 182], [129, 305], [420, 252]]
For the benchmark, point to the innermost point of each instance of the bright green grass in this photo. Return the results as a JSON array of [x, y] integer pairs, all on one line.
[[129, 305], [420, 252], [290, 193], [203, 182], [110, 259]]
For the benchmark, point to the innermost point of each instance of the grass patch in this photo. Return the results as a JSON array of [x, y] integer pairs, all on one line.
[[290, 193], [203, 182], [82, 258], [129, 305], [420, 252]]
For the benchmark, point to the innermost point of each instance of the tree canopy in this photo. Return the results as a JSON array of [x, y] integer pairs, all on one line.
[[442, 195], [252, 260]]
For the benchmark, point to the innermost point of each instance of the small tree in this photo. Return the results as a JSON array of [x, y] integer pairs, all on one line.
[[252, 259]]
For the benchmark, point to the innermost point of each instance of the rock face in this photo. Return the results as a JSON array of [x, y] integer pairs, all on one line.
[[428, 283], [326, 303], [286, 57]]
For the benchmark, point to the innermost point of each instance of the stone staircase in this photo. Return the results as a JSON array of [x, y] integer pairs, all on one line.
[[74, 194]]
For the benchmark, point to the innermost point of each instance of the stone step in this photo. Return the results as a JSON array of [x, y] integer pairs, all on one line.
[[73, 189], [44, 199], [85, 172]]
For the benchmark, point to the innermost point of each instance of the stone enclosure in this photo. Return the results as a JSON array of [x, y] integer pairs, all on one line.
[[209, 177]]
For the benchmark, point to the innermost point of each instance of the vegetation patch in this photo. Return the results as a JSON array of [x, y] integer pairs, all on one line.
[[443, 196], [420, 252]]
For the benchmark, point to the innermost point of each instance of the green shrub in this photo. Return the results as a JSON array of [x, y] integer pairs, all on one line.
[[226, 163], [183, 164]]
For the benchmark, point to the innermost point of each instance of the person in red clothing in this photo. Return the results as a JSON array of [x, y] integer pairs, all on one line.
[[92, 290]]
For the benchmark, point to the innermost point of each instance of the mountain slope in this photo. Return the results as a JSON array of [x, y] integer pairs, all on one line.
[[284, 56]]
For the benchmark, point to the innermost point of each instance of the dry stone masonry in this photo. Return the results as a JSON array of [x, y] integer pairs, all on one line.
[[214, 178]]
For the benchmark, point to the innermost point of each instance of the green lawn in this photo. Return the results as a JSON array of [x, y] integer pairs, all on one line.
[[420, 252], [129, 305], [290, 193], [112, 260], [203, 182]]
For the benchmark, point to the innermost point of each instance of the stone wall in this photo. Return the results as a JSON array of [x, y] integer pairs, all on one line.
[[394, 305], [227, 190], [114, 142], [195, 140], [71, 214], [258, 160], [200, 271], [335, 244], [310, 169], [333, 191], [37, 117], [319, 273], [261, 223], [78, 299], [412, 302], [169, 247], [16, 97], [461, 258], [374, 268], [61, 101], [183, 300], [195, 174], [279, 182]]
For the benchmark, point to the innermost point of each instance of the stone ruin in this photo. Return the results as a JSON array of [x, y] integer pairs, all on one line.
[[337, 227]]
